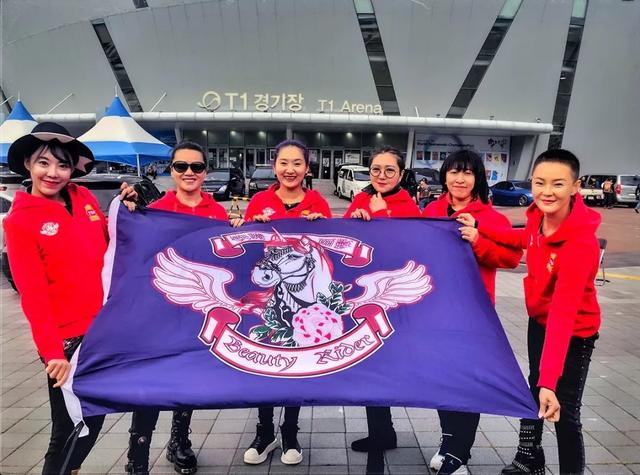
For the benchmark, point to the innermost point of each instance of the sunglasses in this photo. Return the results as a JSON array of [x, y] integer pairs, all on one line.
[[182, 167]]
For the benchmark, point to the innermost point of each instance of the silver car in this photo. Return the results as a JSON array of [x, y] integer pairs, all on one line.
[[625, 187]]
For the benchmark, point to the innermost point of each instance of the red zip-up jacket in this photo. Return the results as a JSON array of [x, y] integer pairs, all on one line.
[[399, 205], [559, 288], [56, 261], [489, 254], [207, 208], [268, 203]]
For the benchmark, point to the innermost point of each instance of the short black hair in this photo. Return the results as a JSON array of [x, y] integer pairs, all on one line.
[[393, 151], [560, 155], [467, 160], [188, 145]]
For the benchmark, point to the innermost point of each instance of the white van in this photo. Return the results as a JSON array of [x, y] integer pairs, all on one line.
[[351, 180]]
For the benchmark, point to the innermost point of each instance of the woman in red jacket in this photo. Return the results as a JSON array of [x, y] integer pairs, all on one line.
[[382, 199], [562, 263], [465, 190], [188, 170], [51, 226], [285, 199]]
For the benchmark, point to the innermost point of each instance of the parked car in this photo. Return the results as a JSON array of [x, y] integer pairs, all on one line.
[[5, 204], [105, 187], [10, 182], [224, 183], [413, 177], [624, 186], [590, 191], [351, 180], [512, 193], [261, 179]]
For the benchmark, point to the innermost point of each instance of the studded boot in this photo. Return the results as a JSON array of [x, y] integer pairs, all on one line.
[[179, 448]]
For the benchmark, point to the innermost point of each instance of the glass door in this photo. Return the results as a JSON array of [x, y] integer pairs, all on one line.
[[249, 162], [325, 164]]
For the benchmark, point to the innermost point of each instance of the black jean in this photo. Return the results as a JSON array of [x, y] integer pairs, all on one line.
[[143, 422], [265, 416], [380, 426], [62, 427], [459, 433], [569, 393]]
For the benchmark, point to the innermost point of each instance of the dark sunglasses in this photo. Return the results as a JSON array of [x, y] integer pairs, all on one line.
[[196, 167]]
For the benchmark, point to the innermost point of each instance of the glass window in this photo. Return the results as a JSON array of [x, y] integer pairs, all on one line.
[[523, 184], [362, 176], [579, 9], [509, 9], [629, 180], [363, 6], [218, 175], [263, 172]]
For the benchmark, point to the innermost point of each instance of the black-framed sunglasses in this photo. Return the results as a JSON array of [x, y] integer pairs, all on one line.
[[388, 172], [182, 167]]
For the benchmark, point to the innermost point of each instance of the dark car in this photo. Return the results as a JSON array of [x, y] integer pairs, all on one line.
[[262, 178], [224, 183], [104, 187], [413, 176], [10, 182], [512, 193]]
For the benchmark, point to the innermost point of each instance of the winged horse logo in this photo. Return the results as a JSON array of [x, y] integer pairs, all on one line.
[[301, 310]]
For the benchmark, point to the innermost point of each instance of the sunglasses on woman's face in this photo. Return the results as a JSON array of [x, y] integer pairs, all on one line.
[[182, 167]]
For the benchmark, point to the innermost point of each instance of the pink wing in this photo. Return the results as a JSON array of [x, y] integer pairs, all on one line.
[[389, 289], [201, 286]]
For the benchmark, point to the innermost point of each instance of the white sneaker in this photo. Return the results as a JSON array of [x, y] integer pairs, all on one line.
[[461, 471], [291, 457], [436, 462], [450, 461], [253, 457]]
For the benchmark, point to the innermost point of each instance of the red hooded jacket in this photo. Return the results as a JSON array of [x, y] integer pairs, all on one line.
[[559, 288], [207, 208], [268, 203], [489, 254], [56, 261], [399, 205]]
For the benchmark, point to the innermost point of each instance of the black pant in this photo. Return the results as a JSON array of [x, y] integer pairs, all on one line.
[[568, 391], [459, 433], [609, 199], [380, 426], [265, 416], [143, 422], [62, 427]]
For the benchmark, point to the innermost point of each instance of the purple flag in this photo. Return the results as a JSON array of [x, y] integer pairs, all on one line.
[[330, 312]]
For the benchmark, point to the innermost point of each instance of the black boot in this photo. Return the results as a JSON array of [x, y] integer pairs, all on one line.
[[138, 454], [264, 443], [382, 435], [291, 451], [365, 444], [529, 458], [179, 448]]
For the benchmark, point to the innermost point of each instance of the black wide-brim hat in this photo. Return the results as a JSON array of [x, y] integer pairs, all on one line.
[[41, 134]]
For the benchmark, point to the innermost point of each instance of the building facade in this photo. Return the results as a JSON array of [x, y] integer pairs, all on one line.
[[508, 78]]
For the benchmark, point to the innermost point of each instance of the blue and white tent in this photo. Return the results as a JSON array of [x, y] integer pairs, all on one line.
[[18, 123], [120, 139]]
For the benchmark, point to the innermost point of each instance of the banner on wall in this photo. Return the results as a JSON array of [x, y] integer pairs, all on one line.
[[431, 149]]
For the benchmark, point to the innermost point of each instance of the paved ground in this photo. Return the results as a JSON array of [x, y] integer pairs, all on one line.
[[611, 412]]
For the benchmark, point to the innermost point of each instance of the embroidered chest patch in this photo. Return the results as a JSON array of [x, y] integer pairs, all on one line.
[[49, 229]]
